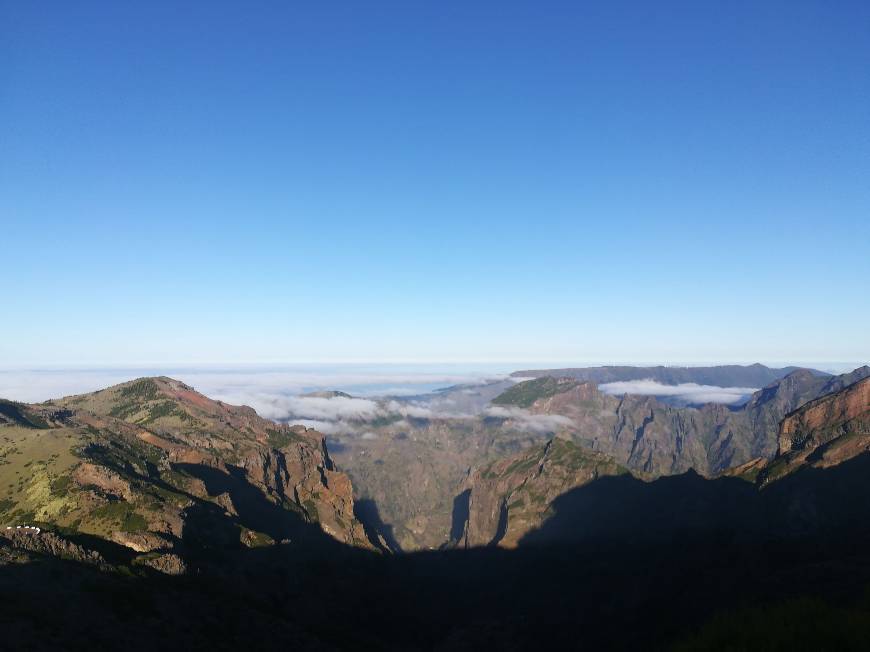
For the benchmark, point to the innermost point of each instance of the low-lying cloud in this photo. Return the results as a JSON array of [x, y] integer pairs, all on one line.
[[326, 427], [413, 410], [350, 416], [339, 407], [245, 384], [684, 392], [524, 418], [441, 409], [279, 394]]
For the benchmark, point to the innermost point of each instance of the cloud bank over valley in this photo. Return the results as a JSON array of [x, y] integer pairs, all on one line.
[[253, 385], [687, 393]]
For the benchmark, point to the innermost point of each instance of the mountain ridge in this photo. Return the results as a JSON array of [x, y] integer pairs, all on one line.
[[153, 465], [754, 375], [824, 431], [648, 435]]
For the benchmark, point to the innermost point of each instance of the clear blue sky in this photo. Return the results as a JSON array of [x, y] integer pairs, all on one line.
[[287, 181]]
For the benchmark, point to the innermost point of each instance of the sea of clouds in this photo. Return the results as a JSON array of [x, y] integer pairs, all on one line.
[[528, 421], [347, 416], [689, 393], [378, 392], [257, 386]]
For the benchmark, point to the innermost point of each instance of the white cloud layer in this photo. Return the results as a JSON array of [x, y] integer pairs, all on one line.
[[242, 384], [326, 427], [275, 394], [525, 419], [329, 409], [685, 392]]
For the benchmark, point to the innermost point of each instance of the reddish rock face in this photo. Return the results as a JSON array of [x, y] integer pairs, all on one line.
[[820, 421], [106, 480]]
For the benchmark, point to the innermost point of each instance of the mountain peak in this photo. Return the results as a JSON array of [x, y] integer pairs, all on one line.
[[118, 448], [330, 393]]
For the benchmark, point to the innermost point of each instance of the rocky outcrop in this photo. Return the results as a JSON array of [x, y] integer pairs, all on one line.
[[141, 541], [109, 482], [510, 497], [168, 564], [824, 432], [760, 417], [48, 543], [835, 415]]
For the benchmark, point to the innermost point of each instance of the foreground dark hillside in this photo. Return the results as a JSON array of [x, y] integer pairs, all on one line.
[[633, 581]]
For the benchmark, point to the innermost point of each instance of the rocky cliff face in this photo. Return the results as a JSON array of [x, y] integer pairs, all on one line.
[[409, 470], [51, 545], [647, 435], [153, 465], [817, 422], [763, 412], [640, 432], [824, 432], [511, 496]]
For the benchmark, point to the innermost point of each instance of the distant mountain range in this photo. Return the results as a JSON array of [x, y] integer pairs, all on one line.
[[648, 436], [755, 375]]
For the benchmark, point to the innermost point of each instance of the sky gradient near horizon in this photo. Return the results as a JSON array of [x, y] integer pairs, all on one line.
[[478, 181]]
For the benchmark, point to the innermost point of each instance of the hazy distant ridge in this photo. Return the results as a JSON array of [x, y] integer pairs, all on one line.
[[755, 375]]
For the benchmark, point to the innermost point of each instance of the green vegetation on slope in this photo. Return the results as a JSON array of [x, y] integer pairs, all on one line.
[[526, 393], [34, 466], [144, 389], [797, 624], [18, 414], [282, 438], [120, 515]]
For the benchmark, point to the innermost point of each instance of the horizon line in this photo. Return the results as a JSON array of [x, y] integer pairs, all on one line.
[[554, 363]]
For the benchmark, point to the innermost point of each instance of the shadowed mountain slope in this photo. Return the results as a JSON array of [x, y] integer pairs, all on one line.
[[811, 502], [623, 564], [511, 496]]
